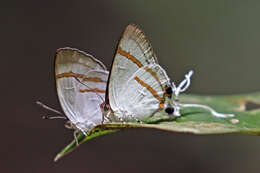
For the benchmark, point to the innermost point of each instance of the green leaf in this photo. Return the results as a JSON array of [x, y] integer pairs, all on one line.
[[193, 120]]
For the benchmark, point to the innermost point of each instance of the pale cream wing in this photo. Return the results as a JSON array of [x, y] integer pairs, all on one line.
[[144, 93], [81, 84], [134, 52]]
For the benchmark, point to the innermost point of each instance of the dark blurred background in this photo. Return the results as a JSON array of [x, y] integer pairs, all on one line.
[[219, 40]]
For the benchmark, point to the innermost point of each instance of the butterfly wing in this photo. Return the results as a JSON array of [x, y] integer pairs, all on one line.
[[136, 82], [81, 84]]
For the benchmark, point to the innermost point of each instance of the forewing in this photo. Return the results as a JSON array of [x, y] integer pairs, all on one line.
[[81, 83]]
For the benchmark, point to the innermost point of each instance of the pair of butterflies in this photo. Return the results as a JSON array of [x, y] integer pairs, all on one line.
[[135, 89]]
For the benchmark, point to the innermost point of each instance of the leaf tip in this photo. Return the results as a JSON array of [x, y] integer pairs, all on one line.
[[58, 156]]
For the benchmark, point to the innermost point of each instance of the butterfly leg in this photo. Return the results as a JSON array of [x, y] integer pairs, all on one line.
[[106, 113], [105, 117], [75, 133]]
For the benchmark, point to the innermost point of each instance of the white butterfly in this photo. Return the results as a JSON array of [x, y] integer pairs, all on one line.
[[81, 84], [138, 87]]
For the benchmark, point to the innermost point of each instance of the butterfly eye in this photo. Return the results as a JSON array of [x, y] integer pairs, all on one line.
[[169, 110]]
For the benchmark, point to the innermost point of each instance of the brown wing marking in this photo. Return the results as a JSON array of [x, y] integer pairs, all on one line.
[[69, 74], [77, 75], [93, 79], [138, 63], [152, 91], [149, 70], [129, 56], [95, 90]]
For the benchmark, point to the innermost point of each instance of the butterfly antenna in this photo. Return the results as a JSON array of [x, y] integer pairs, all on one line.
[[52, 110], [89, 88], [48, 108], [47, 117]]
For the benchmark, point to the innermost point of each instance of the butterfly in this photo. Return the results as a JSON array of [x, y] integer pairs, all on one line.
[[81, 85], [138, 87]]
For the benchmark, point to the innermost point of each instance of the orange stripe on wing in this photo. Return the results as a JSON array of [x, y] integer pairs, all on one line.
[[149, 70], [149, 88], [77, 75], [70, 74], [93, 79], [129, 56], [154, 74], [161, 105], [138, 63], [95, 90]]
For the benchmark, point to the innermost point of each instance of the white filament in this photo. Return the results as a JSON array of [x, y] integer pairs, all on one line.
[[183, 86], [212, 111]]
